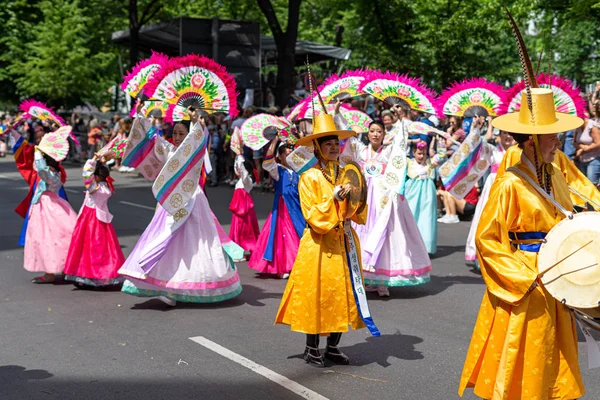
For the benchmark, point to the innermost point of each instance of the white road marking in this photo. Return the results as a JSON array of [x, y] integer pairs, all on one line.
[[138, 205], [273, 376], [73, 191]]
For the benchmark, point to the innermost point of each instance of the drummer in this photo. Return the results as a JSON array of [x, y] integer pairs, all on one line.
[[524, 344], [325, 293]]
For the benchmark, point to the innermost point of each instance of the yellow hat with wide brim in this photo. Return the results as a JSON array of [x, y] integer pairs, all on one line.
[[545, 119], [324, 125]]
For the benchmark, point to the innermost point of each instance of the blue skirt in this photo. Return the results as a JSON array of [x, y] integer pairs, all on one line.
[[422, 200]]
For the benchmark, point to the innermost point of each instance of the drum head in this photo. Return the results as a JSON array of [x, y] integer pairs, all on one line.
[[357, 198], [573, 245]]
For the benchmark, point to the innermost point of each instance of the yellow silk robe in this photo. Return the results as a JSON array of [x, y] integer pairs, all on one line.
[[575, 178], [318, 298], [524, 345]]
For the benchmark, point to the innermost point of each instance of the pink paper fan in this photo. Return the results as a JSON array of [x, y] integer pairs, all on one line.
[[55, 144], [194, 79], [471, 95], [258, 130], [40, 111], [307, 112], [341, 87], [138, 77], [296, 110], [567, 97], [394, 88]]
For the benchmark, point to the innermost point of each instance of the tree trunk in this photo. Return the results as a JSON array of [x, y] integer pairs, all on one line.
[[134, 32], [286, 46]]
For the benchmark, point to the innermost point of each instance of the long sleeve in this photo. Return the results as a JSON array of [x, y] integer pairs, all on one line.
[[88, 175], [51, 178], [321, 213], [506, 275], [576, 179], [271, 167], [24, 158]]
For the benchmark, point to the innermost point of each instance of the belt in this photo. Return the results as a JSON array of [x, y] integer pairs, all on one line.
[[527, 241]]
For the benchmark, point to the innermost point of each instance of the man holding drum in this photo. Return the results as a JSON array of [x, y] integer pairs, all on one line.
[[524, 344]]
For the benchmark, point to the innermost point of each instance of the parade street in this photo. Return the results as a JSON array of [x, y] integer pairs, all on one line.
[[59, 342]]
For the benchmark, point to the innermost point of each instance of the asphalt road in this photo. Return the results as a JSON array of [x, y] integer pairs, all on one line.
[[57, 342]]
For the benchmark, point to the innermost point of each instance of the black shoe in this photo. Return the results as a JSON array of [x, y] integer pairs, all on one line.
[[313, 356], [334, 355]]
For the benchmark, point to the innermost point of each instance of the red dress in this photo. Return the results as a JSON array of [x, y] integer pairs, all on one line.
[[95, 254]]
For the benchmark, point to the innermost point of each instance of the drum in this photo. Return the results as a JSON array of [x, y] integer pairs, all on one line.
[[357, 199], [569, 262]]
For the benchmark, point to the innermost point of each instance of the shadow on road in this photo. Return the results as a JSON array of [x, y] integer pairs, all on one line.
[[251, 295], [437, 285], [443, 251], [379, 349], [14, 380], [179, 388]]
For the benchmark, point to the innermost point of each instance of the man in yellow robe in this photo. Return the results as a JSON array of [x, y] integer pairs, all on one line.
[[321, 296], [573, 175], [524, 344]]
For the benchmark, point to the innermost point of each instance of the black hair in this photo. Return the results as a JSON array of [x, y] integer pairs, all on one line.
[[520, 138], [102, 171], [281, 148], [326, 138], [377, 122], [187, 124], [51, 162]]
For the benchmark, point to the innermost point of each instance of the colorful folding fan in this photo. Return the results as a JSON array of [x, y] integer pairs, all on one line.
[[307, 112], [117, 145], [342, 87], [55, 144], [288, 133], [151, 108], [194, 81], [357, 120], [258, 130], [142, 73], [471, 97], [567, 97], [41, 111], [293, 115], [394, 88]]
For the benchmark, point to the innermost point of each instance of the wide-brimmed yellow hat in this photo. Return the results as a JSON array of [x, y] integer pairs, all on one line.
[[324, 125], [541, 119]]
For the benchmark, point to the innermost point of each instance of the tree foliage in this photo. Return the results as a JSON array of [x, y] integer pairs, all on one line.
[[61, 51]]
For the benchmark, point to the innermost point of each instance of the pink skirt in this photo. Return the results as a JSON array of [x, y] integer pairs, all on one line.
[[95, 254], [244, 224], [286, 243], [51, 223]]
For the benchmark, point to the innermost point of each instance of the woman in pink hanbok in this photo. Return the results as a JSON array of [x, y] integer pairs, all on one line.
[[244, 224], [183, 255], [51, 218], [393, 251]]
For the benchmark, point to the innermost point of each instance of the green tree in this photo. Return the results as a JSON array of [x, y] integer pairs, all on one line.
[[58, 66]]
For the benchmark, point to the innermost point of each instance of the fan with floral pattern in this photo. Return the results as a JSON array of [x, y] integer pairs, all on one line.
[[342, 87], [567, 97], [55, 144], [394, 88], [258, 130], [471, 97], [195, 81], [142, 73]]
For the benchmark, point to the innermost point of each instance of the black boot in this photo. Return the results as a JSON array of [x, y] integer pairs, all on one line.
[[312, 355], [333, 353]]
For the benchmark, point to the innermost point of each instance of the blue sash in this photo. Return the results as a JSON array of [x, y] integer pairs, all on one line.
[[360, 295], [531, 247]]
